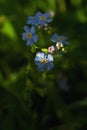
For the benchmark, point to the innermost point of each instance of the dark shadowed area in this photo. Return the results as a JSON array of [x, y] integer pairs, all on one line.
[[33, 100]]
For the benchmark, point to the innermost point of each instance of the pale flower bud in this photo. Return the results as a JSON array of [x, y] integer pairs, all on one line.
[[59, 45], [51, 49]]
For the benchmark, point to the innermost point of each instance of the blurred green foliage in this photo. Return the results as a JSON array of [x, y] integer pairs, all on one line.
[[32, 100]]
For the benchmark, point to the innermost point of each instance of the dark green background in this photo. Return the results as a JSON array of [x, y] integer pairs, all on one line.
[[32, 100]]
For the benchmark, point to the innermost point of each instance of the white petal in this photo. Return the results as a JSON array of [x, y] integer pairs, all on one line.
[[40, 54], [50, 57]]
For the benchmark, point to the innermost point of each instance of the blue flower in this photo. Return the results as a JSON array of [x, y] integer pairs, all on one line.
[[29, 35], [44, 61], [56, 38], [43, 18], [32, 20]]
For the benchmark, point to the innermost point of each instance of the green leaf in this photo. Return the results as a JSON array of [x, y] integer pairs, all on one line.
[[44, 50], [9, 30], [33, 49]]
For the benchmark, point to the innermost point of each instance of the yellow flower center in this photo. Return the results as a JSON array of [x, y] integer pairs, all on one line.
[[42, 18], [29, 35], [44, 61], [59, 39]]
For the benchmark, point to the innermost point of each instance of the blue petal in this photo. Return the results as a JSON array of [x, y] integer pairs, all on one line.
[[24, 37], [50, 57], [38, 57], [30, 17], [33, 30], [41, 67], [38, 60], [24, 33], [29, 22], [42, 55], [38, 14], [65, 42], [50, 65], [26, 28], [47, 15], [39, 54], [63, 37], [54, 37], [33, 20], [35, 38], [49, 20], [29, 42]]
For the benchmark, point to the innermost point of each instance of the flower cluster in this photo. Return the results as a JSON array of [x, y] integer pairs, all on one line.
[[43, 59]]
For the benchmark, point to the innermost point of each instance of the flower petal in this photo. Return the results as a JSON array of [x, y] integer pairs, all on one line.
[[29, 42], [38, 14], [37, 60], [41, 67], [33, 30], [41, 54], [24, 36], [50, 57], [35, 38], [65, 42], [49, 20], [30, 20], [26, 28], [47, 15], [54, 37], [30, 17], [63, 37], [50, 65]]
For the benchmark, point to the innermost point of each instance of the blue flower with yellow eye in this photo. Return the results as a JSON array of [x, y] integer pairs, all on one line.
[[43, 18], [30, 35], [61, 39], [44, 61]]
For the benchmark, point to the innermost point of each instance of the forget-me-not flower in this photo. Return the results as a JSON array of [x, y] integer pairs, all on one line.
[[43, 18], [59, 39], [30, 35], [44, 61]]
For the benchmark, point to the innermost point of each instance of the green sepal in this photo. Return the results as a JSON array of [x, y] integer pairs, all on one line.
[[33, 49]]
